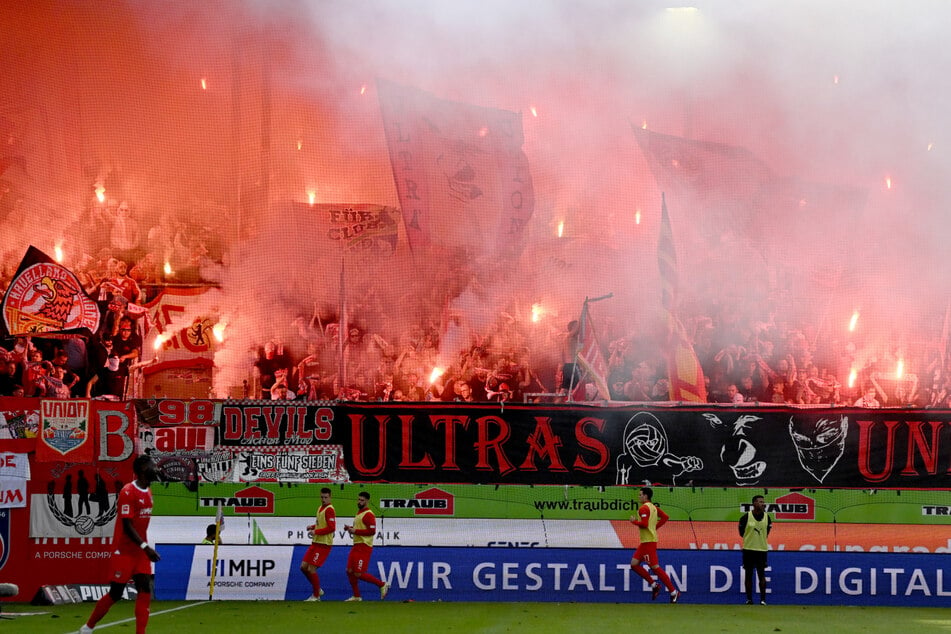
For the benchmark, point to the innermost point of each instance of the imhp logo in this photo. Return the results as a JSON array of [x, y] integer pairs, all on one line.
[[241, 567], [792, 506], [429, 502], [251, 500]]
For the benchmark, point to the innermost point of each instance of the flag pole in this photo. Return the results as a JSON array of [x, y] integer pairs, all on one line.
[[574, 351], [582, 330], [219, 518]]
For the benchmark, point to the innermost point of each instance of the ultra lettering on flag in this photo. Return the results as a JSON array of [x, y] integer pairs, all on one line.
[[684, 372], [460, 171], [45, 297]]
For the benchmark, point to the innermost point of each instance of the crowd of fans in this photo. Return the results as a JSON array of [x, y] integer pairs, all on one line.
[[745, 359]]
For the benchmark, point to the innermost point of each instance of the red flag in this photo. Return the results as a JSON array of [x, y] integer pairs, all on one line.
[[591, 360], [460, 171], [45, 297], [684, 372]]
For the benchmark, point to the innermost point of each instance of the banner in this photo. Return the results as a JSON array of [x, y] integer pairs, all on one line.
[[564, 575], [356, 228], [460, 171], [45, 297], [19, 418], [600, 446], [64, 431], [14, 474]]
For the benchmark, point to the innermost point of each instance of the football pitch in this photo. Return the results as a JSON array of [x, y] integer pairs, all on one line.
[[247, 617]]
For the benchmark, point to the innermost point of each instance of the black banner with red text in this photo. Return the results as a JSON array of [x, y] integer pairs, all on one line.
[[561, 444]]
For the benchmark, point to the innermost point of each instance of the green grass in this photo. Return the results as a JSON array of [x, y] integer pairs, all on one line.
[[246, 617]]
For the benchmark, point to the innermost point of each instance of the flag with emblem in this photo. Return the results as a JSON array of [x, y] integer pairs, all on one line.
[[44, 297], [460, 171]]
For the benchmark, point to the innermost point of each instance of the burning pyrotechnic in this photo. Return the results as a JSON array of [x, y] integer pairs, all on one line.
[[852, 376], [218, 330], [637, 217], [534, 112], [363, 89], [561, 228], [159, 341], [900, 369], [100, 193], [58, 252], [167, 269], [204, 84], [311, 198], [537, 312], [888, 182], [435, 374], [854, 321]]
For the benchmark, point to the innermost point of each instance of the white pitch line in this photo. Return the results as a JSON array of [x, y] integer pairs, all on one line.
[[129, 620]]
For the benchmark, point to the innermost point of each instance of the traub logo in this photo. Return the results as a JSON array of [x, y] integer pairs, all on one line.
[[429, 502]]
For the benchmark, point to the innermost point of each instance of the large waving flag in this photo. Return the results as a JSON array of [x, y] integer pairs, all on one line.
[[460, 171], [729, 186], [683, 368], [45, 297], [591, 360]]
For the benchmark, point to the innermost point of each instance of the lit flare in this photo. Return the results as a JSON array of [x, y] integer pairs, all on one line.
[[854, 321]]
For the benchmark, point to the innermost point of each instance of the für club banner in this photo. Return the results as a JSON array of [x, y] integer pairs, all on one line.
[[577, 445]]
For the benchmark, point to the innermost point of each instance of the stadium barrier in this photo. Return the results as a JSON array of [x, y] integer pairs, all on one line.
[[591, 575]]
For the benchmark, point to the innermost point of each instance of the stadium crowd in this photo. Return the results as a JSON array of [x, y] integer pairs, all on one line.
[[751, 356]]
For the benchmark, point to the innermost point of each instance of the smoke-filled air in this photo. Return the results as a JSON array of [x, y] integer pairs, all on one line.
[[457, 183]]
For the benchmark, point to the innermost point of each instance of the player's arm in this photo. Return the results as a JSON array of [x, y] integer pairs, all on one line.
[[743, 519], [129, 529], [661, 517], [643, 515]]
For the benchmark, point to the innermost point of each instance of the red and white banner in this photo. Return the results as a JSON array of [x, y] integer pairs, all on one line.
[[14, 474]]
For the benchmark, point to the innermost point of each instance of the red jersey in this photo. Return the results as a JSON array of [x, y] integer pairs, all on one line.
[[134, 504]]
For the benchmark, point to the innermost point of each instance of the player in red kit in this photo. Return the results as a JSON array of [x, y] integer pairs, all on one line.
[[648, 519], [363, 530], [132, 557], [321, 543]]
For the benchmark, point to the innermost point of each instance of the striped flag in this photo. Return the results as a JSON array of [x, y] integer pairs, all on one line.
[[684, 372], [591, 360]]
